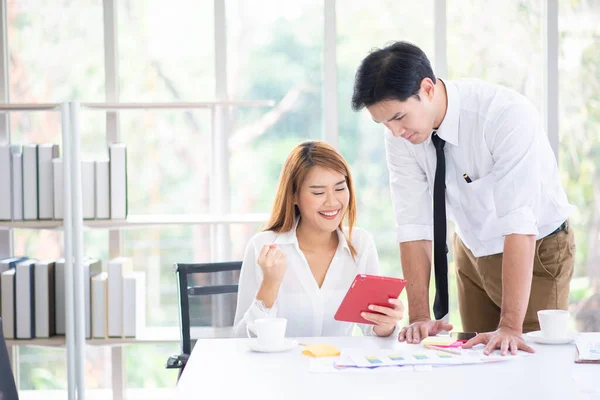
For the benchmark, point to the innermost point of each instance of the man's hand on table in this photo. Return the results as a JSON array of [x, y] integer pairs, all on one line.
[[505, 339], [420, 329]]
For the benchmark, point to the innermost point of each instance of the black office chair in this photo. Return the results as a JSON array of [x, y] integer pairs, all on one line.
[[186, 289], [8, 388]]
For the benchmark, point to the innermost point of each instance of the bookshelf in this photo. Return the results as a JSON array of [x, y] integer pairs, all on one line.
[[147, 335], [144, 220], [73, 225], [71, 230]]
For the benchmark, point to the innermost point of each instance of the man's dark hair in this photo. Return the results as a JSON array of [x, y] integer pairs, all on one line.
[[392, 73]]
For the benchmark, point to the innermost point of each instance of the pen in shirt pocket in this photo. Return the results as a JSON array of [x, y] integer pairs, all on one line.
[[467, 179]]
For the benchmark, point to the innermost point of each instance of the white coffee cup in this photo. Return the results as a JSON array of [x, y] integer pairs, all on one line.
[[554, 323], [270, 332]]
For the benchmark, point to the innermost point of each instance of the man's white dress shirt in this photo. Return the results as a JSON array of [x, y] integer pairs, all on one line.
[[496, 137], [308, 308]]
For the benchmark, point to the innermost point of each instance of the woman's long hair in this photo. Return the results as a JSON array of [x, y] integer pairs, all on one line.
[[302, 158]]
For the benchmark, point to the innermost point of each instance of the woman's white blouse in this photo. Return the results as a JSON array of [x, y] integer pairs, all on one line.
[[308, 308]]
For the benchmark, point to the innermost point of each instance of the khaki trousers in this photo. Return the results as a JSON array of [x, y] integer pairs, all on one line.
[[479, 282]]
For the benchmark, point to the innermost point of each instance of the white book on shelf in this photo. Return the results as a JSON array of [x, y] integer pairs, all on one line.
[[5, 183], [8, 302], [117, 268], [59, 300], [91, 267], [17, 182], [44, 299], [58, 176], [99, 305], [25, 299], [88, 189], [7, 264], [46, 153], [30, 182], [134, 303], [118, 181], [102, 189]]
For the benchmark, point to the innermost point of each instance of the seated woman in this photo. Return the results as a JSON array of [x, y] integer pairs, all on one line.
[[302, 264]]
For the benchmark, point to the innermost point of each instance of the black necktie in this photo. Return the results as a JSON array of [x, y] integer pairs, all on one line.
[[440, 260]]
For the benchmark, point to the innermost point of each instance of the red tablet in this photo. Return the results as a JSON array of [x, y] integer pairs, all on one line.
[[364, 291]]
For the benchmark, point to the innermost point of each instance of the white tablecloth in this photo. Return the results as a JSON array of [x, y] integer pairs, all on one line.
[[227, 369]]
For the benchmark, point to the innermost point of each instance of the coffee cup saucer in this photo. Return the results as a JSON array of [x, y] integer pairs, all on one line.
[[286, 345], [538, 337]]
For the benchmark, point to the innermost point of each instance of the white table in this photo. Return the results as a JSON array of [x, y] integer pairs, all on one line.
[[227, 369]]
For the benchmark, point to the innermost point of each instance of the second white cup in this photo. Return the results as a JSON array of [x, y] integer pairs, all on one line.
[[553, 323], [270, 332]]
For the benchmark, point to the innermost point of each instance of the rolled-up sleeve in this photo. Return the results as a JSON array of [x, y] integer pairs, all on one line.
[[513, 140], [411, 197], [248, 308]]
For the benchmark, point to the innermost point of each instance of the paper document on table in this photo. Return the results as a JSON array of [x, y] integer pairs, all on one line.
[[338, 364], [588, 351], [418, 355]]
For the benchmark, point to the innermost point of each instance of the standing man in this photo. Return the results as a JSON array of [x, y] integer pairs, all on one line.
[[479, 151]]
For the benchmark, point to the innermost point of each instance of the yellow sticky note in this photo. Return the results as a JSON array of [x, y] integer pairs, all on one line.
[[438, 340], [320, 350]]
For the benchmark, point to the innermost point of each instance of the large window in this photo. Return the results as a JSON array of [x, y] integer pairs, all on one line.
[[499, 42], [274, 51], [579, 107], [166, 52]]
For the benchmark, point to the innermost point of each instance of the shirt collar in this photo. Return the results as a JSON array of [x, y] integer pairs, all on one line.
[[448, 129], [290, 237], [343, 243]]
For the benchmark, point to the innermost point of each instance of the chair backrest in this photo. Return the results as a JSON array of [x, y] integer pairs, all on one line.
[[186, 289], [8, 389]]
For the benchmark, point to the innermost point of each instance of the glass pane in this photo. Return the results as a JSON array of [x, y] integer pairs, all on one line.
[[168, 160], [166, 51], [264, 37], [36, 127], [579, 73], [56, 50], [42, 368], [498, 42], [39, 244], [150, 373]]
